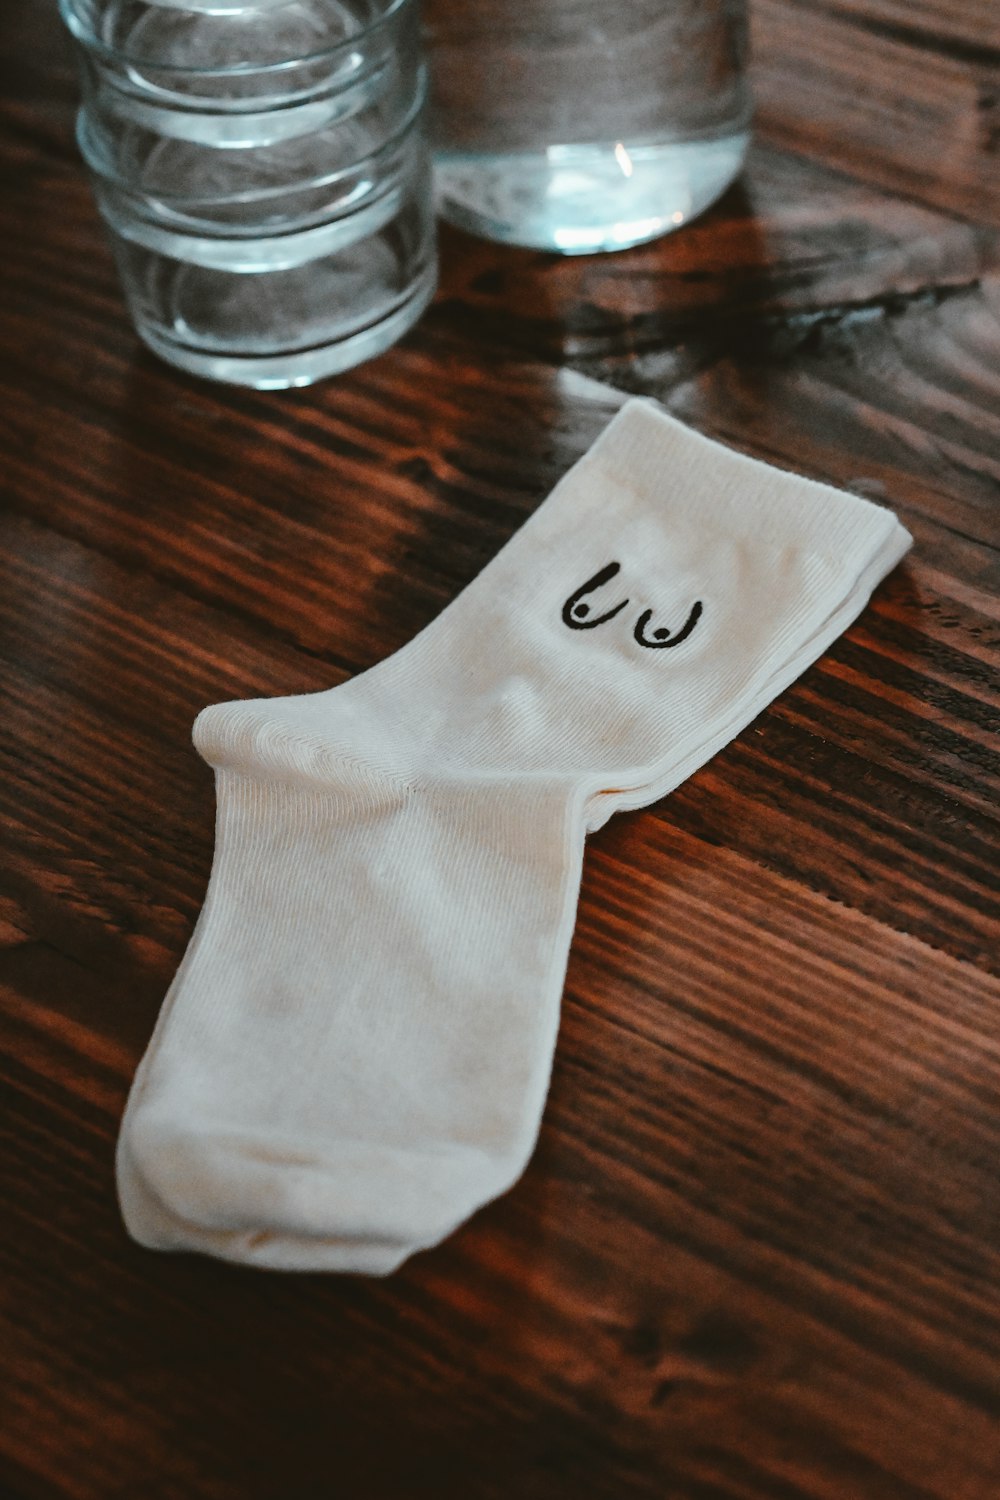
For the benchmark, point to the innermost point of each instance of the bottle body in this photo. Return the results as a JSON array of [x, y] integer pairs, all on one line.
[[576, 125]]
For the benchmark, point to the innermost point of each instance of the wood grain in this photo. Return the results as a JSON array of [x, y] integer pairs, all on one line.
[[755, 1256], [907, 98], [948, 26]]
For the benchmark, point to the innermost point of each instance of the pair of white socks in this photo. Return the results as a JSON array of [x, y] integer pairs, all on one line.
[[355, 1053]]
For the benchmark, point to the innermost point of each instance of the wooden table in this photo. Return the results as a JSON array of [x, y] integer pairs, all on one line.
[[756, 1255]]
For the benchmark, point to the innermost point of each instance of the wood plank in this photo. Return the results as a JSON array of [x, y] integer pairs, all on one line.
[[890, 111], [972, 25]]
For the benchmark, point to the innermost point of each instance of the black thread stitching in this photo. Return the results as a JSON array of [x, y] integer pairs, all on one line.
[[662, 638], [574, 609]]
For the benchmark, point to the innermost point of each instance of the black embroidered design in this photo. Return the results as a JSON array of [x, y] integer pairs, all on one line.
[[662, 638], [575, 611]]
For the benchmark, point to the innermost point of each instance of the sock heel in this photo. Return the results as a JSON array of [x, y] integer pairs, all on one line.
[[261, 738]]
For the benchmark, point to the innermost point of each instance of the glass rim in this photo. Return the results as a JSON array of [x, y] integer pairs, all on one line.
[[68, 10]]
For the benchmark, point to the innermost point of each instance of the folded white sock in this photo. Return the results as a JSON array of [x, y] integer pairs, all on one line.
[[356, 1050]]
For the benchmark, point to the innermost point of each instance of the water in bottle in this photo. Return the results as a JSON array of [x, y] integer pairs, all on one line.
[[581, 125]]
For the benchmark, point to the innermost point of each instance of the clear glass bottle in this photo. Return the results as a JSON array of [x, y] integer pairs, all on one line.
[[583, 125]]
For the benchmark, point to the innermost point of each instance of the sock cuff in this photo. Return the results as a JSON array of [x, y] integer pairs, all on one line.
[[652, 454]]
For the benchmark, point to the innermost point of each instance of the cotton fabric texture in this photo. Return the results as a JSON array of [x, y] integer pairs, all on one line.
[[355, 1052]]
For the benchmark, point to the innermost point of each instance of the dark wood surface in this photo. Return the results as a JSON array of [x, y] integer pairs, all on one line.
[[757, 1253]]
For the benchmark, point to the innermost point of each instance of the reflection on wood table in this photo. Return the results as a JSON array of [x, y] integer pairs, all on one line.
[[756, 1255]]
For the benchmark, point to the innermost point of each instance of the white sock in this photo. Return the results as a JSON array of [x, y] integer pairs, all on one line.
[[355, 1053]]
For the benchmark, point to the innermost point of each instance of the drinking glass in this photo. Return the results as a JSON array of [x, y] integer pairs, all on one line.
[[263, 171]]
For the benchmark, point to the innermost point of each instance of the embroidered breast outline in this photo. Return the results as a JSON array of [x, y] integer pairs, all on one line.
[[575, 610], [576, 614]]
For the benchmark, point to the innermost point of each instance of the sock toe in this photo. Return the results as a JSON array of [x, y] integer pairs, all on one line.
[[263, 1197]]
